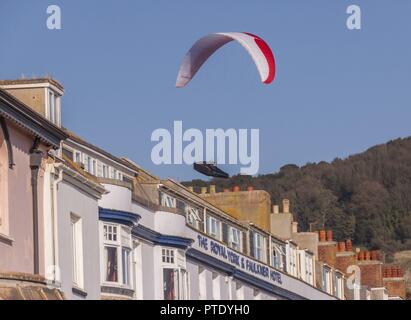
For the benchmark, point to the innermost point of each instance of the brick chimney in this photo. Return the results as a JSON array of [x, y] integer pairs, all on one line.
[[371, 270], [327, 248], [394, 282]]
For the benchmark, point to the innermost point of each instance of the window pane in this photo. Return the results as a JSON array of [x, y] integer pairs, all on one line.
[[169, 284], [111, 264], [126, 266]]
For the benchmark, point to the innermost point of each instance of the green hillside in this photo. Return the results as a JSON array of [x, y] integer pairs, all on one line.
[[366, 197]]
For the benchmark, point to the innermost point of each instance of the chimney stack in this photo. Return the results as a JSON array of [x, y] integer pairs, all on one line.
[[250, 188], [286, 206], [212, 188], [322, 235], [329, 235], [190, 188], [236, 189], [203, 190], [276, 209], [400, 273]]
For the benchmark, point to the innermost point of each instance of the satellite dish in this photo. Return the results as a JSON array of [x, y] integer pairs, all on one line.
[[210, 169]]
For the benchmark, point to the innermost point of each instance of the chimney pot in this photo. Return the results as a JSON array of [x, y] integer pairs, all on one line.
[[394, 272], [322, 235], [203, 190], [348, 245], [294, 227], [400, 273], [388, 272], [226, 190], [374, 255], [341, 246], [361, 255], [367, 255], [236, 189], [250, 188], [286, 206], [212, 188], [191, 188], [276, 209], [329, 235]]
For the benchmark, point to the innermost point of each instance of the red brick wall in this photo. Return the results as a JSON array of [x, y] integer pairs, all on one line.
[[371, 273], [327, 252], [344, 260], [395, 287]]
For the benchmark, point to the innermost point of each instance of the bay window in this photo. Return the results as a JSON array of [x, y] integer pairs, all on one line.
[[175, 279], [117, 254]]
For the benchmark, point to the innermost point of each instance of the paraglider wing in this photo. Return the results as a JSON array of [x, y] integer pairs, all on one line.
[[207, 45]]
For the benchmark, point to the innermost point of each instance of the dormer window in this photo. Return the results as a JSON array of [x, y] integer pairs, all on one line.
[[53, 107]]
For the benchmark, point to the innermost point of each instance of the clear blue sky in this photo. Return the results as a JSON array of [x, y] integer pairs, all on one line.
[[337, 91]]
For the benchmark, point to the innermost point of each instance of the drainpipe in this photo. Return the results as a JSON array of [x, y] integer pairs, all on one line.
[[35, 161], [54, 187]]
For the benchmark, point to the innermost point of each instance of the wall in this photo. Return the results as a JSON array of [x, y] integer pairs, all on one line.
[[33, 97], [16, 251], [253, 206], [118, 198], [72, 200]]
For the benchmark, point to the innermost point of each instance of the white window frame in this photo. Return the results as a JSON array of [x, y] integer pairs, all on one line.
[[213, 227], [174, 259], [53, 107], [278, 261], [77, 157], [105, 171], [76, 229], [121, 242], [167, 200], [192, 216], [235, 238], [259, 246]]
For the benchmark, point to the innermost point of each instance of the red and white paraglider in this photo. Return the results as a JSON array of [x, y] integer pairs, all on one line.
[[207, 45]]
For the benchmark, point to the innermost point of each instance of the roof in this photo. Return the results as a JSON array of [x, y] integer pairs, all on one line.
[[124, 161], [32, 81], [16, 111]]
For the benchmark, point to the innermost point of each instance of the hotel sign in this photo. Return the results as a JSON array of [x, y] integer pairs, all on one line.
[[241, 262]]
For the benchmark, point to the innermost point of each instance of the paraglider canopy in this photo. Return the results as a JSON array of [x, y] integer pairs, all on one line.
[[207, 45], [210, 169]]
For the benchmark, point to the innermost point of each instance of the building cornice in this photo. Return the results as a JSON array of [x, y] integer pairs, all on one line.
[[123, 217]]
